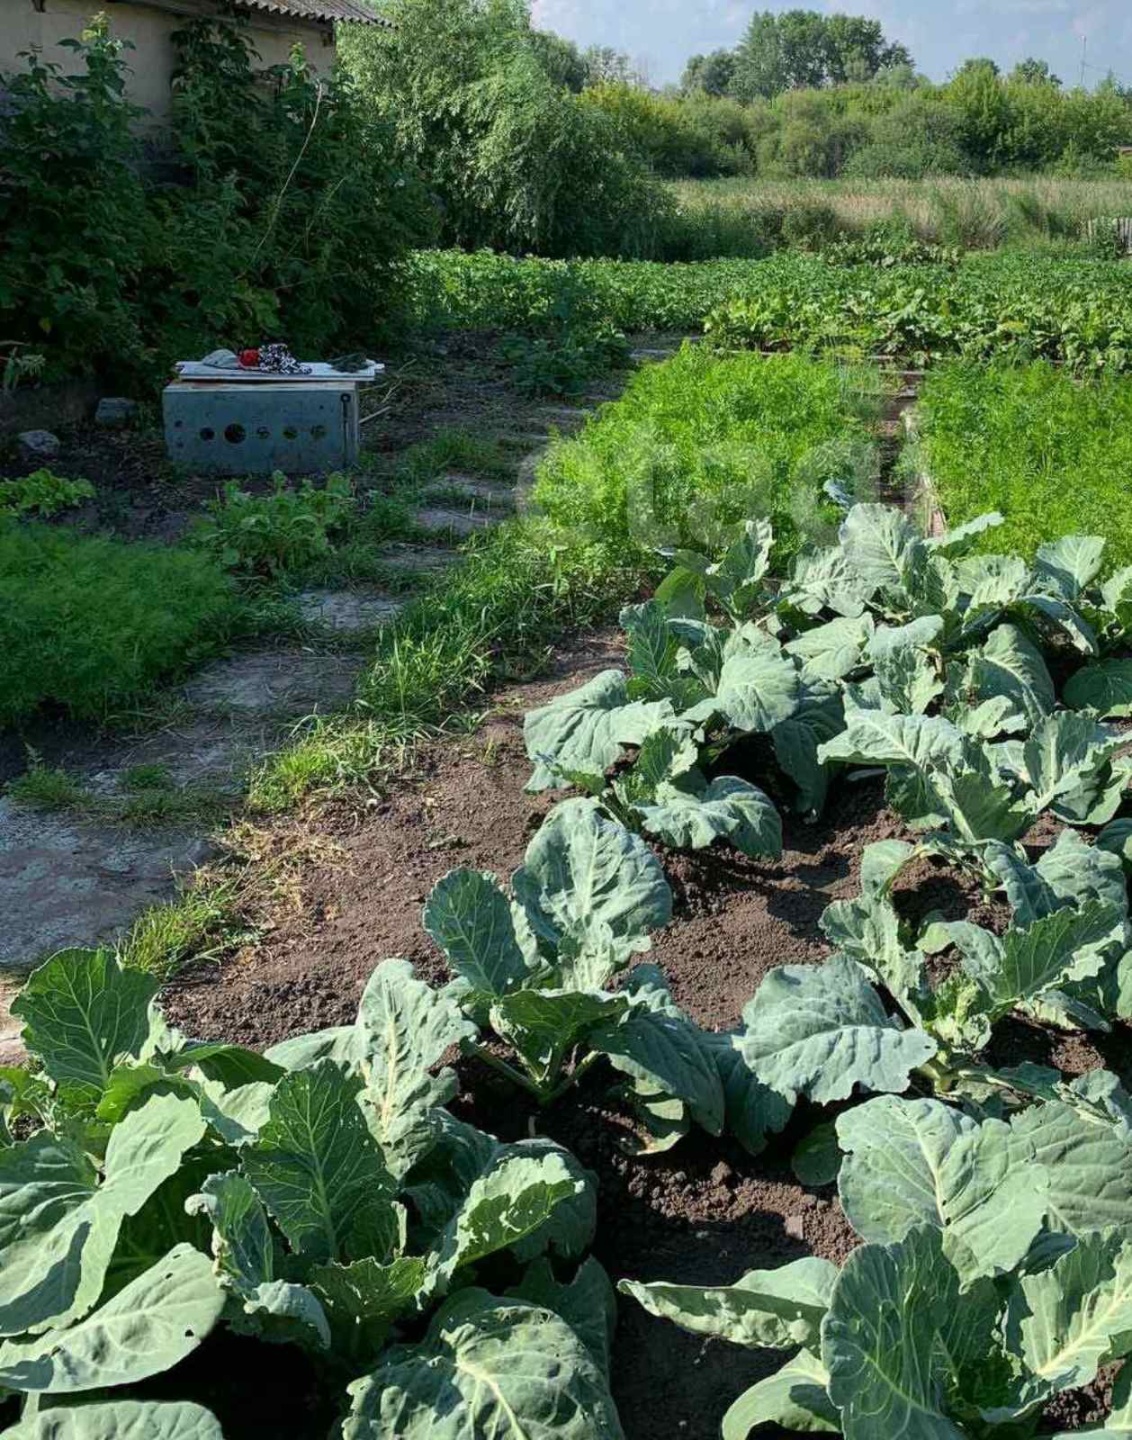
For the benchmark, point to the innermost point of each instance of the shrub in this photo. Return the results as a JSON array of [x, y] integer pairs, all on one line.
[[93, 623], [1047, 451], [698, 443]]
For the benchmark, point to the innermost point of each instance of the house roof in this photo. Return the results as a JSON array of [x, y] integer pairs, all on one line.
[[318, 10]]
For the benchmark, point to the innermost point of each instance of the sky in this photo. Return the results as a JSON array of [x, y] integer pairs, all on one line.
[[661, 34]]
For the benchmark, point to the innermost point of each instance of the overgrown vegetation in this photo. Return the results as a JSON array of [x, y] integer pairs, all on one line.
[[697, 443], [93, 624], [1048, 452], [285, 215]]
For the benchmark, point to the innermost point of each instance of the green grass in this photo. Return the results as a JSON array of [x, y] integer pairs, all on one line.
[[701, 442], [487, 621], [92, 624], [1053, 454], [204, 922], [745, 215]]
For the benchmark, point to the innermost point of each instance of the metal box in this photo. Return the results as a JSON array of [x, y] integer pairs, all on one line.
[[241, 429]]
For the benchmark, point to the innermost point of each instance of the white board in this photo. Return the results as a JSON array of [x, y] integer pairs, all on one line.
[[319, 370]]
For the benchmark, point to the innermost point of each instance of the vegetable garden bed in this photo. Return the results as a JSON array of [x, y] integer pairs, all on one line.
[[706, 1211], [850, 1081]]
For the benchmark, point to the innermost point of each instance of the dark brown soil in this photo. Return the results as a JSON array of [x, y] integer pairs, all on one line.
[[704, 1212]]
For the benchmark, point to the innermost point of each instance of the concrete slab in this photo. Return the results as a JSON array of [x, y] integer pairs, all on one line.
[[459, 524], [348, 611], [274, 682], [418, 559], [68, 882]]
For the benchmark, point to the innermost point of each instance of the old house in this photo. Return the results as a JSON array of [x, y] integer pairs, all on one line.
[[274, 27]]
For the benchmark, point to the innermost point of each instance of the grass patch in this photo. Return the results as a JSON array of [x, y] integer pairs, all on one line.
[[204, 922], [487, 621], [1050, 452], [451, 450], [92, 624], [699, 443]]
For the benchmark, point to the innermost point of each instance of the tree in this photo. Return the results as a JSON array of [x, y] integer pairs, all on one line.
[[606, 66], [759, 66], [1034, 72], [561, 60], [804, 49], [712, 74]]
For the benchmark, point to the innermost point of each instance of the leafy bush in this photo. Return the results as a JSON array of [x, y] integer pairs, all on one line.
[[93, 623], [994, 1277], [319, 1195], [1048, 452], [42, 494], [563, 364], [885, 650], [285, 530], [278, 211], [698, 443]]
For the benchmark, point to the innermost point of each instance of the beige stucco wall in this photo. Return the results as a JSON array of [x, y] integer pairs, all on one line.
[[22, 27]]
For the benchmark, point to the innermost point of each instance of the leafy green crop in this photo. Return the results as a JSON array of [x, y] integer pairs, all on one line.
[[1078, 313], [822, 1031], [1023, 306], [885, 650], [319, 1195], [699, 443], [534, 969], [997, 1274], [42, 494], [1034, 442]]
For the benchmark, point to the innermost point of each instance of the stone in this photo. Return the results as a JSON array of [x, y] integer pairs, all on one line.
[[417, 559], [294, 683], [457, 523], [115, 412], [38, 446], [348, 611]]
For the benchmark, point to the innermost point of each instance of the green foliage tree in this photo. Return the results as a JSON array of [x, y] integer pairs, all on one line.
[[804, 49], [515, 159], [1034, 72], [710, 74]]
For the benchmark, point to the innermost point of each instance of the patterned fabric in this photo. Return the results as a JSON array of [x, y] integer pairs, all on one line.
[[279, 360]]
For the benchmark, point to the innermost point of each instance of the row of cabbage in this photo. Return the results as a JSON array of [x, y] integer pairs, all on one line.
[[155, 1191]]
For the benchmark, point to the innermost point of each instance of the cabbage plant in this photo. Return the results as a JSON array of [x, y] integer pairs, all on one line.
[[535, 969], [870, 1018], [996, 1274], [887, 650], [320, 1195]]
